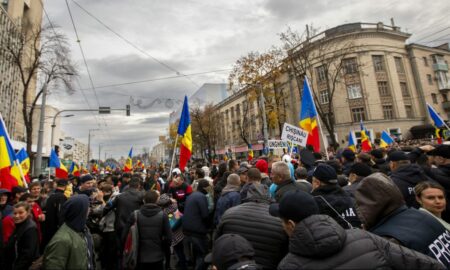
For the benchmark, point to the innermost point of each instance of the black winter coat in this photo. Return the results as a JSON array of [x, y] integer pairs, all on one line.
[[285, 187], [406, 177], [381, 165], [252, 221], [23, 246], [195, 217], [318, 242], [125, 203], [53, 214], [341, 201], [155, 235]]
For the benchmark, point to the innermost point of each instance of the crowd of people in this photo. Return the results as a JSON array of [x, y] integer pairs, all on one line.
[[380, 209]]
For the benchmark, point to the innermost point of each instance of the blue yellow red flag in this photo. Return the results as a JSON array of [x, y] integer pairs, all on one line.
[[184, 130], [129, 162], [366, 145], [60, 169], [308, 117], [7, 159]]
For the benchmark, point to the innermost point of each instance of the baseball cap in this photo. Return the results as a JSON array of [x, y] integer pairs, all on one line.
[[228, 249], [295, 205], [361, 169], [441, 151], [397, 156], [242, 170], [325, 173]]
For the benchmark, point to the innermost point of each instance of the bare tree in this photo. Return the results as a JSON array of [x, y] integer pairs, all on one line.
[[42, 58], [204, 129]]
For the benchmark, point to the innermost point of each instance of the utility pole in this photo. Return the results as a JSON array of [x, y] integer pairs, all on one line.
[[89, 145], [38, 164], [99, 152], [263, 111]]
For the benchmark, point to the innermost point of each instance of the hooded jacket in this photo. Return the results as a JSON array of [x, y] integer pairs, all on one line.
[[230, 197], [125, 203], [382, 210], [406, 177], [252, 220], [318, 242], [195, 216]]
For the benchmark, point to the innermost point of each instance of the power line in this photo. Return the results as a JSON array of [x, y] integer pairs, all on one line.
[[133, 45], [432, 34]]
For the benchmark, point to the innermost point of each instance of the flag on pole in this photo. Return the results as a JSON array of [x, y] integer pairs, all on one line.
[[7, 159], [366, 145], [60, 169], [438, 123], [129, 163], [351, 142], [438, 135], [24, 162], [94, 168], [308, 117], [250, 152], [74, 170], [184, 130], [385, 139]]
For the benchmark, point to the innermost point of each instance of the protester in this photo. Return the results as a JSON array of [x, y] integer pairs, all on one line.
[[253, 177], [252, 221], [179, 189], [155, 235], [441, 158], [5, 208], [53, 215], [318, 242], [301, 176], [347, 159], [37, 214], [263, 167], [382, 210], [16, 192], [431, 198], [242, 172], [196, 223], [87, 182], [281, 176], [72, 246], [357, 173], [406, 176], [381, 165], [232, 251], [332, 199], [23, 245], [35, 192], [230, 197]]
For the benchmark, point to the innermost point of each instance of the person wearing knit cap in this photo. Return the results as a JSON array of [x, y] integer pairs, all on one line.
[[347, 159], [230, 197], [332, 199], [87, 182], [263, 167], [357, 173]]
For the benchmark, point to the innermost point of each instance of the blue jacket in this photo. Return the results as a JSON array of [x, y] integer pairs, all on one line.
[[227, 200], [195, 216]]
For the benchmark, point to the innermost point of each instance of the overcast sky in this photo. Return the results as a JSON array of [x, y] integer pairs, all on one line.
[[171, 38]]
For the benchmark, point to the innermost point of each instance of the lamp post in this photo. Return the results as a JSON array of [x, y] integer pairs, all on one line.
[[89, 144], [54, 125], [38, 164]]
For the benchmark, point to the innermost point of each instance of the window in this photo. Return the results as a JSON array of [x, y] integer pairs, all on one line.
[[425, 61], [442, 79], [378, 62], [323, 97], [399, 65], [409, 111], [358, 114], [388, 112], [444, 97], [434, 98], [383, 89], [404, 88], [438, 59], [321, 75], [238, 110], [430, 79], [354, 91], [350, 65], [232, 112]]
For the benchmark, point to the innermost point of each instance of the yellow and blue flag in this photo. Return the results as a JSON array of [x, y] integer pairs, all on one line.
[[385, 139], [184, 130], [7, 159], [24, 162], [351, 142]]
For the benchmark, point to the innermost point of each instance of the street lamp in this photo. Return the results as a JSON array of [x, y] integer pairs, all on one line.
[[89, 144], [54, 125]]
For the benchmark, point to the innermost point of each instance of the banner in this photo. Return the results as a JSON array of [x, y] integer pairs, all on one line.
[[277, 144], [295, 135]]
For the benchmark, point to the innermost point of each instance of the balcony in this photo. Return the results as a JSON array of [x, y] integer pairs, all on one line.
[[446, 105], [444, 86], [440, 66]]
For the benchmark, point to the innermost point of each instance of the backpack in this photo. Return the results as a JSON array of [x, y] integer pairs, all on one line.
[[131, 247]]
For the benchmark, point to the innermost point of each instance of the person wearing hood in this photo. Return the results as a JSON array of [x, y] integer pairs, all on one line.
[[332, 199], [252, 220], [381, 165], [155, 235], [230, 197], [382, 210], [318, 242], [196, 223], [406, 176], [72, 246], [357, 173]]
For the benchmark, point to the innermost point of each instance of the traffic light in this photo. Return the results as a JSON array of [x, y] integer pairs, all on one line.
[[128, 110]]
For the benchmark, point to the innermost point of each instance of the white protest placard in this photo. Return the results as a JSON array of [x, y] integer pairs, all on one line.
[[276, 144], [295, 135]]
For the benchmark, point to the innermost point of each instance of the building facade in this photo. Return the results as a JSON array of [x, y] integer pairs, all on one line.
[[158, 153], [375, 78]]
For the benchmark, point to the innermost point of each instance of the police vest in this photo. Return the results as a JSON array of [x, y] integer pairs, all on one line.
[[418, 231]]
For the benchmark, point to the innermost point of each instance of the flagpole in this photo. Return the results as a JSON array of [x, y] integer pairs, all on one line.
[[173, 155], [21, 173], [437, 115], [318, 122]]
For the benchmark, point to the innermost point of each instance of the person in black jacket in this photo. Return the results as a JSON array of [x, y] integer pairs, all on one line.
[[23, 245], [252, 221], [53, 215], [281, 176], [195, 222], [318, 242], [406, 176], [332, 199], [381, 165], [347, 159], [382, 210], [357, 173], [155, 235], [124, 204]]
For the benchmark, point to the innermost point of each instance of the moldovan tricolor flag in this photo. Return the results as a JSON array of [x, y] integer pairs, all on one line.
[[7, 158], [438, 123], [250, 152], [129, 163], [366, 145], [74, 170], [60, 169], [308, 117], [184, 130], [24, 162], [351, 142]]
